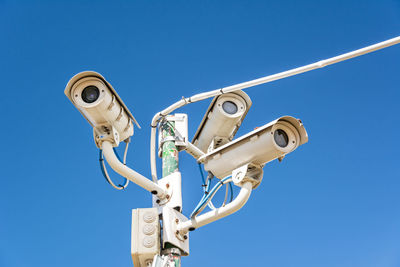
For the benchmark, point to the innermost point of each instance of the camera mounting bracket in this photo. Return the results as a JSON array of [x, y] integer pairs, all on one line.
[[105, 132], [248, 173]]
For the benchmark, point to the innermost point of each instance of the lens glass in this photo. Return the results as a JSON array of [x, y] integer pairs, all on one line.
[[281, 138], [90, 94], [229, 107]]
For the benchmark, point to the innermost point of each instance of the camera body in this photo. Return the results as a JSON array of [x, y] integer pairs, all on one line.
[[222, 120], [100, 104], [271, 141]]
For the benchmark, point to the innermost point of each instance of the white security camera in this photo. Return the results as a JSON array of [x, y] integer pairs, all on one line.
[[100, 104], [271, 141], [222, 120]]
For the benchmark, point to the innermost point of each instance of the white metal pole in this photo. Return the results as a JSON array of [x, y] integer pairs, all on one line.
[[219, 213], [313, 66], [130, 174]]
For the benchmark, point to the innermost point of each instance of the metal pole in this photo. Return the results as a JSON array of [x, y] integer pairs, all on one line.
[[170, 161]]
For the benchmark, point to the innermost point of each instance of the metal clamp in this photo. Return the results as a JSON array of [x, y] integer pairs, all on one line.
[[248, 173], [167, 139], [105, 132]]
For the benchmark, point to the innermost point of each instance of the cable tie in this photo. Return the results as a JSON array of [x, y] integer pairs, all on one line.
[[186, 99]]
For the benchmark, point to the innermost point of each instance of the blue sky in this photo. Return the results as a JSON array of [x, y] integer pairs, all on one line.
[[333, 202]]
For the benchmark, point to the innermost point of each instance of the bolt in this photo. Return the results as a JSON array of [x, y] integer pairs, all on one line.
[[167, 196], [158, 201], [167, 185], [185, 237], [177, 221]]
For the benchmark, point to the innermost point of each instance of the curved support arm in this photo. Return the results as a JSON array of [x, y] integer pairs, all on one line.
[[219, 213], [130, 174]]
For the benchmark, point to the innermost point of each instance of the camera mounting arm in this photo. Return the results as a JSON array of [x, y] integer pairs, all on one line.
[[218, 213], [130, 174]]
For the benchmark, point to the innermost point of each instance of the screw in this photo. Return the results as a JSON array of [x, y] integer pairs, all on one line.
[[177, 221], [158, 201], [177, 232], [167, 196], [185, 237], [167, 185]]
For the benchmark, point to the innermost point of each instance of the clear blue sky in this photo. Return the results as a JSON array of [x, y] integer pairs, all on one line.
[[333, 202]]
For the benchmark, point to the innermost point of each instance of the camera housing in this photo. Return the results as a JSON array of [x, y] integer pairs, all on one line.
[[271, 141], [222, 120], [102, 107]]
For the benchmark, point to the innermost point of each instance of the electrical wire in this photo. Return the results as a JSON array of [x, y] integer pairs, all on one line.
[[206, 199], [209, 196], [104, 169], [205, 185], [226, 195], [202, 175], [231, 189]]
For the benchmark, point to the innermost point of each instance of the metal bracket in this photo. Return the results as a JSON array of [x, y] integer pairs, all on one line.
[[173, 185], [180, 130], [166, 139], [171, 218], [105, 132], [248, 173], [217, 142]]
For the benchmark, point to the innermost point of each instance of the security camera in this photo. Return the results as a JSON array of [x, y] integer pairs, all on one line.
[[271, 141], [100, 104], [222, 120]]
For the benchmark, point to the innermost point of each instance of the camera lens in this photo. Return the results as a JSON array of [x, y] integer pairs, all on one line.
[[229, 107], [90, 94], [281, 138]]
